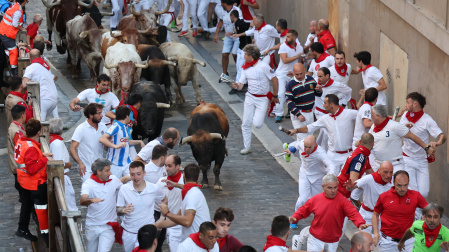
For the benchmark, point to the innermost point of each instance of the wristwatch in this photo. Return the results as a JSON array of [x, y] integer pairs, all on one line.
[[275, 96], [427, 148]]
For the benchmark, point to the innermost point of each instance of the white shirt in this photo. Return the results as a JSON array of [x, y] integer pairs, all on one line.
[[161, 4], [328, 62], [277, 249], [189, 246], [146, 153], [258, 78], [38, 73], [388, 141], [337, 88], [174, 201], [108, 100], [89, 148], [340, 130], [371, 78], [118, 132], [371, 190], [364, 112], [105, 211], [194, 200], [154, 173], [284, 68], [316, 165], [264, 38], [225, 16], [424, 127], [337, 77], [308, 42], [143, 203]]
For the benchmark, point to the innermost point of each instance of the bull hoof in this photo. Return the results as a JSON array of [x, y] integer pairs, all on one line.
[[49, 47], [205, 185], [218, 187]]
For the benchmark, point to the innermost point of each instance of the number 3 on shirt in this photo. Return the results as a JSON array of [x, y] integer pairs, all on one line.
[[388, 133]]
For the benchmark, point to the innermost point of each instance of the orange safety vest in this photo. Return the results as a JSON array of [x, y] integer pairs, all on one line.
[[27, 181], [6, 27]]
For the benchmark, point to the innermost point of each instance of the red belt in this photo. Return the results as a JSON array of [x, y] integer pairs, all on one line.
[[273, 63], [405, 155], [343, 152], [306, 110], [366, 208], [259, 95], [321, 110], [173, 17]]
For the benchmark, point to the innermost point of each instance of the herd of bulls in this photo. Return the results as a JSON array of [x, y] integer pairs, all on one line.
[[138, 59]]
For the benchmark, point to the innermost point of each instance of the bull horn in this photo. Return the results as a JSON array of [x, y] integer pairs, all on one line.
[[108, 66], [104, 31], [185, 140], [162, 105], [147, 63], [199, 62], [83, 34], [135, 13], [80, 3], [217, 136], [145, 31], [172, 58], [116, 34], [107, 14], [168, 63], [165, 10], [51, 4]]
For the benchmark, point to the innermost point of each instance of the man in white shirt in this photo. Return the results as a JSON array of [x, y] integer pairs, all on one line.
[[290, 52], [39, 71], [341, 70], [371, 75], [85, 147], [194, 209], [313, 27], [363, 122], [277, 241], [99, 94], [59, 151], [258, 75], [203, 241], [320, 59], [388, 136], [134, 202], [99, 194], [155, 169], [281, 27], [339, 124], [168, 139], [147, 238]]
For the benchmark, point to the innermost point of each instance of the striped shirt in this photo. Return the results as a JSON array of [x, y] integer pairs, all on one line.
[[119, 133], [301, 95]]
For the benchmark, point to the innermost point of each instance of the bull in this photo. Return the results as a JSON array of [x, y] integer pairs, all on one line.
[[207, 134], [123, 65], [157, 70], [126, 36], [90, 49], [151, 115], [185, 69]]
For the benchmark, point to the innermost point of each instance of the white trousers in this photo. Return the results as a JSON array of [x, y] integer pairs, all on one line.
[[418, 170], [203, 5], [298, 124], [307, 190], [173, 239], [117, 6], [189, 5], [254, 113], [69, 193], [99, 238], [165, 20], [338, 160], [47, 107], [322, 139], [313, 244], [239, 64], [129, 241], [368, 217], [387, 245], [143, 5], [283, 81]]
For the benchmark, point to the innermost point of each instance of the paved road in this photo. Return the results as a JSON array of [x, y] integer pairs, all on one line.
[[255, 186]]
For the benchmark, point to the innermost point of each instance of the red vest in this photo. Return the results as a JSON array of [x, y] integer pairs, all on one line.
[[27, 181]]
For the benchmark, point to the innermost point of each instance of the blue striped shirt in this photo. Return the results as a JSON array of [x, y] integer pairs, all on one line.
[[301, 95]]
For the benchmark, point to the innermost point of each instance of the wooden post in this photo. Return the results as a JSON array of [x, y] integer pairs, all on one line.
[[34, 90], [55, 168], [45, 131]]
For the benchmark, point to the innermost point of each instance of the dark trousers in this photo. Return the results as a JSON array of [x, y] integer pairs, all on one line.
[[162, 233], [27, 205]]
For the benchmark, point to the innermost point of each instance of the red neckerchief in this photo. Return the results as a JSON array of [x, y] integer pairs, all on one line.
[[18, 94], [381, 126], [328, 83], [137, 249], [98, 91], [307, 155], [430, 234], [134, 110], [341, 70], [249, 64], [378, 179], [364, 69], [340, 109], [221, 242], [174, 178], [54, 137], [96, 179], [292, 47], [41, 61], [260, 27], [369, 103], [118, 230], [187, 187], [284, 32], [274, 241], [19, 125], [413, 117], [322, 57], [196, 239]]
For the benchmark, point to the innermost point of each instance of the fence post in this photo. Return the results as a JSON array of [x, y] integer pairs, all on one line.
[[55, 169]]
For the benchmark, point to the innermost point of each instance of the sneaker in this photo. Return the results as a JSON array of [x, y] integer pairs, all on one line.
[[245, 151], [293, 226], [298, 241], [26, 234], [278, 119], [224, 77], [201, 30], [233, 91], [286, 157], [287, 115], [206, 35], [182, 34], [194, 33]]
